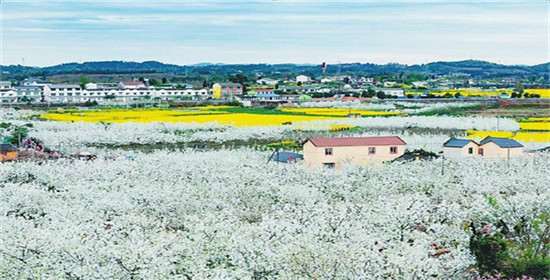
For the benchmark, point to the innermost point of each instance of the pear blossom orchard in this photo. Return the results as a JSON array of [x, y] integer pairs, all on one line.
[[228, 213]]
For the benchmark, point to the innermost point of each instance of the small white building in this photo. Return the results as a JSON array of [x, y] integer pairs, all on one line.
[[267, 81], [62, 93], [131, 85], [34, 82], [420, 84], [303, 79], [397, 92], [5, 85], [8, 96]]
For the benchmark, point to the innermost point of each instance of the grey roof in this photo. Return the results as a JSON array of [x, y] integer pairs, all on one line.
[[457, 143], [286, 157], [389, 89], [502, 142], [30, 80], [63, 86], [27, 88], [7, 147], [545, 149], [267, 95], [230, 84], [5, 83]]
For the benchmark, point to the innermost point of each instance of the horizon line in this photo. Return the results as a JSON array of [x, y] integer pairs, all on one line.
[[268, 63]]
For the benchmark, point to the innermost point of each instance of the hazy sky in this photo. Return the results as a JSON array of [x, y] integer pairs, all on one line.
[[186, 32]]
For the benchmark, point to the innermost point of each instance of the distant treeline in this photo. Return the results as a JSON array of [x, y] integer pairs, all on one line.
[[472, 68]]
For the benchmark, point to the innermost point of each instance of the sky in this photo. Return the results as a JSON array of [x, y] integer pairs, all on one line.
[[40, 33]]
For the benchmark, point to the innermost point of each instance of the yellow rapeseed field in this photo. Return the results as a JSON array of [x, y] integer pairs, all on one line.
[[156, 115], [337, 112], [538, 119], [544, 93], [467, 92], [214, 107], [243, 119], [519, 136], [475, 134], [341, 127], [535, 126], [532, 136], [121, 115]]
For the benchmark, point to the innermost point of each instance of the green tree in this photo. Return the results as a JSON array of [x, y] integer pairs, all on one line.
[[519, 86], [18, 134], [153, 82], [523, 250], [239, 78], [83, 81], [369, 93]]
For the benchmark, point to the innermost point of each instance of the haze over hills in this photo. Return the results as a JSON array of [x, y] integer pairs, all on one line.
[[474, 68]]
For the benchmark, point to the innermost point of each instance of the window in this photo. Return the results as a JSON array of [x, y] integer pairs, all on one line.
[[329, 165], [480, 151], [328, 151], [372, 150], [393, 150], [470, 150]]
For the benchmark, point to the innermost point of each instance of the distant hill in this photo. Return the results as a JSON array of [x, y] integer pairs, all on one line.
[[474, 68]]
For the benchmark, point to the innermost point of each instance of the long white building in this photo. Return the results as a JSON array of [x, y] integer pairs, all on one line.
[[71, 93]]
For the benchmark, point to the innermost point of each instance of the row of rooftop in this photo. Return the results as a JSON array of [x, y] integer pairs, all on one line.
[[333, 152], [33, 90]]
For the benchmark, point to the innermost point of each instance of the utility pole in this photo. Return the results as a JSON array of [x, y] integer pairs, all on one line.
[[442, 165]]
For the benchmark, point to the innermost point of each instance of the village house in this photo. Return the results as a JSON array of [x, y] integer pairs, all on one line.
[[34, 82], [5, 85], [303, 79], [8, 152], [459, 148], [28, 93], [7, 96], [101, 86], [62, 93], [131, 85], [489, 147], [397, 92], [267, 96], [261, 91], [332, 152], [267, 81], [494, 147], [226, 90]]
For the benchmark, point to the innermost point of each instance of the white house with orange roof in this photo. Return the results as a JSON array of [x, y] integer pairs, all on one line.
[[332, 152]]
